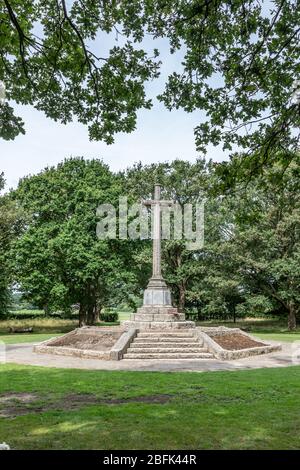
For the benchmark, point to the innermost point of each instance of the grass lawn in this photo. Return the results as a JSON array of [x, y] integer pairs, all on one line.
[[27, 338], [74, 409], [289, 337]]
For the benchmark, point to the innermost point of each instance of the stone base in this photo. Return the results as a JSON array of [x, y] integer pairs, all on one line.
[[157, 293], [157, 313], [208, 335], [89, 342], [157, 317], [158, 325]]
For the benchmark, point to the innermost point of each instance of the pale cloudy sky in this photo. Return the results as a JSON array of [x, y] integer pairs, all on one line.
[[160, 135]]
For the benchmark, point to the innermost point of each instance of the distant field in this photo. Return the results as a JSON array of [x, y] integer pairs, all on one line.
[[26, 311], [252, 325], [43, 328], [124, 316], [27, 338]]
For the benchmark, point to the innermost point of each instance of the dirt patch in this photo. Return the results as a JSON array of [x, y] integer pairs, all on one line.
[[18, 397], [235, 341], [97, 342], [14, 406]]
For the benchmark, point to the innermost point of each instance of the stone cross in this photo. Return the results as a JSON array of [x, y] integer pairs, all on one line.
[[156, 205]]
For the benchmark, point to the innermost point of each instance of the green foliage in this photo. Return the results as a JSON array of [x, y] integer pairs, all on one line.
[[59, 259], [10, 125], [239, 66], [11, 223], [264, 249], [240, 63], [109, 316], [48, 60]]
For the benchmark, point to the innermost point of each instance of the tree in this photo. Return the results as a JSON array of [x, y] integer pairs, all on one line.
[[264, 246], [11, 223], [240, 63], [59, 260]]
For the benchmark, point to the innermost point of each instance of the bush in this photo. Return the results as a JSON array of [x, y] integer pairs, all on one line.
[[28, 314], [109, 316]]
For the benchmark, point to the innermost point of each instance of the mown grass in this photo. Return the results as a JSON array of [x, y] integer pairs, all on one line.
[[27, 338], [254, 409], [288, 337]]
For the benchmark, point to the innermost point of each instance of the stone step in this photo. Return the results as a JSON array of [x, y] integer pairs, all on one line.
[[137, 350], [166, 344], [181, 355], [163, 339], [163, 334]]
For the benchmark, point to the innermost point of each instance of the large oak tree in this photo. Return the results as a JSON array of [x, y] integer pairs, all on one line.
[[59, 260]]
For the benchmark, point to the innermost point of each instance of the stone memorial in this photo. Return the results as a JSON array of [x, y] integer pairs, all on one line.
[[157, 330], [157, 311]]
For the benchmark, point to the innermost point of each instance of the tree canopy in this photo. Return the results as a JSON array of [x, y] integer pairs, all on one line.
[[241, 59], [59, 261]]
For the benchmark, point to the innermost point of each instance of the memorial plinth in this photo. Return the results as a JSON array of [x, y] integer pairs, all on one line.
[[157, 311]]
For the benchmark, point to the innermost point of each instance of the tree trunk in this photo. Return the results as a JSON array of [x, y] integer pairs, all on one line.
[[90, 315], [234, 314], [292, 317], [46, 310], [97, 312], [181, 301], [82, 315]]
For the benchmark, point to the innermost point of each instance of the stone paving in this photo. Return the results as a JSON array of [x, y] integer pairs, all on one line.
[[24, 354]]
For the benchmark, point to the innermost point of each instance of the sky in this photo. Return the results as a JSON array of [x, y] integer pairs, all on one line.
[[160, 135]]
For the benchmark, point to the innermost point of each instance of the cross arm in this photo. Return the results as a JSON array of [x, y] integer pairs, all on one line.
[[162, 202]]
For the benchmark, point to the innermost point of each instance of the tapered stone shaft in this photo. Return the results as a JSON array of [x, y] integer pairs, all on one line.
[[156, 267]]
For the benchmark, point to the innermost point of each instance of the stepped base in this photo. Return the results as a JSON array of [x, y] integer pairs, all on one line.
[[167, 344], [158, 318], [158, 325], [169, 356]]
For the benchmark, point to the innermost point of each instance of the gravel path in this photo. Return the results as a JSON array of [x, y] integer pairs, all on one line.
[[23, 354]]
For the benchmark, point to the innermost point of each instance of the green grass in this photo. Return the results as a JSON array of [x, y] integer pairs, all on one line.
[[123, 316], [289, 337], [255, 409], [26, 311], [27, 338], [39, 325]]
